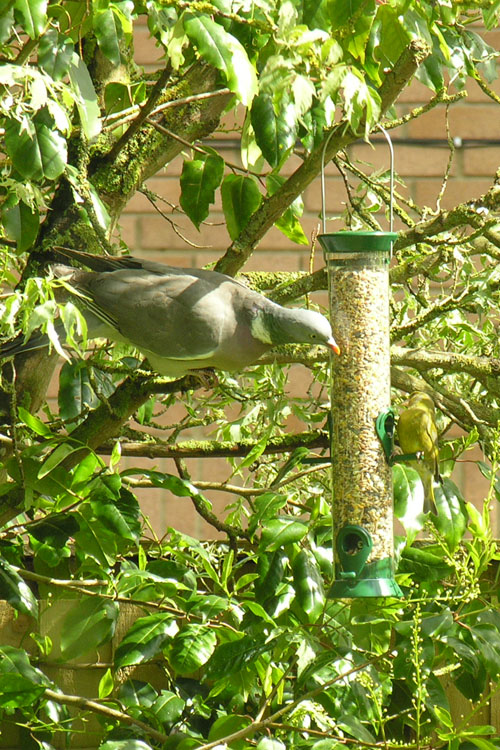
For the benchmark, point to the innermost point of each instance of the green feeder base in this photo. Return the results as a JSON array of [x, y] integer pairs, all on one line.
[[376, 579]]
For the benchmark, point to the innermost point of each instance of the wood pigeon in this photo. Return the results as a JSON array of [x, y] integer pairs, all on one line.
[[181, 319]]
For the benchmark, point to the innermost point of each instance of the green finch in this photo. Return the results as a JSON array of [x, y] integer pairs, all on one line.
[[418, 433]]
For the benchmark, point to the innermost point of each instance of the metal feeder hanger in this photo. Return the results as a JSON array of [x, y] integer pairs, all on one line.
[[362, 510]]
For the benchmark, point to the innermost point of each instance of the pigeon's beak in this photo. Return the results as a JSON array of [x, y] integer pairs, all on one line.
[[332, 344]]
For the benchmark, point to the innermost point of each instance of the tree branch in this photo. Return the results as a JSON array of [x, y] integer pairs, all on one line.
[[106, 711], [272, 207]]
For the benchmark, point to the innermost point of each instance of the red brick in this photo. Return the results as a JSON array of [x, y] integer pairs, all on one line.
[[425, 192], [146, 52], [410, 160], [482, 161]]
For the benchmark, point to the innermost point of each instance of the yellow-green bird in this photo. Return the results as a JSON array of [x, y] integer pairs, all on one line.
[[418, 433]]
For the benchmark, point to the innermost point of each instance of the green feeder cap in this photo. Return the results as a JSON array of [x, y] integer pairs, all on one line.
[[357, 578], [356, 242]]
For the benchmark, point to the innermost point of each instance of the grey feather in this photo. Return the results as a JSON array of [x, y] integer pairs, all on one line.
[[182, 319]]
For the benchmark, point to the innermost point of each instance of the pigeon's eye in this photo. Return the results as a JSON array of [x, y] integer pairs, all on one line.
[[313, 336]]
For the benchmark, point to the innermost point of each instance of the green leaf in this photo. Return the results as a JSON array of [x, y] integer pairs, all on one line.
[[191, 648], [281, 531], [14, 590], [241, 198], [86, 97], [289, 225], [56, 457], [54, 54], [226, 725], [145, 639], [55, 530], [34, 423], [408, 499], [76, 394], [224, 52], [231, 657], [32, 16], [107, 32], [89, 623], [452, 517], [275, 133], [308, 585], [106, 684], [21, 223], [267, 743], [129, 744], [199, 180], [168, 707], [36, 148], [17, 691]]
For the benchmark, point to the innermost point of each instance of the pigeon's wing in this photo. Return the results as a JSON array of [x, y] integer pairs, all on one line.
[[173, 314]]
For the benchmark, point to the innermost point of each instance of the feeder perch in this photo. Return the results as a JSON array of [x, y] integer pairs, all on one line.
[[362, 425]]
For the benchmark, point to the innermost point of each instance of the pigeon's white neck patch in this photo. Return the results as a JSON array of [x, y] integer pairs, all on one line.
[[259, 329]]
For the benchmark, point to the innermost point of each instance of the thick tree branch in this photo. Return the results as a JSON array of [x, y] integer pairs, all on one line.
[[272, 208]]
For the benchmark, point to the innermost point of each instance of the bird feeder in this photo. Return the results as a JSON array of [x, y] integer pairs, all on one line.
[[358, 281]]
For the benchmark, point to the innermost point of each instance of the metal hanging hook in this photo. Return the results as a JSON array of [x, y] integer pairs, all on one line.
[[391, 180]]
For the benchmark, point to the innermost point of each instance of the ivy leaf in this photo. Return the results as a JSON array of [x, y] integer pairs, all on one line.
[[145, 639], [199, 180], [16, 591], [224, 52], [241, 198]]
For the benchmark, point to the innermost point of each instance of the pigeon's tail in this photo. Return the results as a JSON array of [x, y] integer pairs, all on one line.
[[100, 263], [18, 345]]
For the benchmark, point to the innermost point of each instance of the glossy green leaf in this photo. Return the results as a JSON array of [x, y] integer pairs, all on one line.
[[56, 457], [129, 744], [54, 54], [55, 529], [191, 648], [290, 226], [241, 198], [224, 52], [106, 684], [452, 517], [308, 585], [16, 591], [227, 725], [275, 133], [76, 394], [281, 531], [34, 423], [145, 639], [32, 16], [408, 499], [199, 180], [89, 623], [231, 657], [16, 691], [36, 148], [86, 97], [21, 223], [168, 707], [107, 32]]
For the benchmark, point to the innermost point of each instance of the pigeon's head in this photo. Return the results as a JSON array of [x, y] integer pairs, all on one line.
[[283, 325]]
